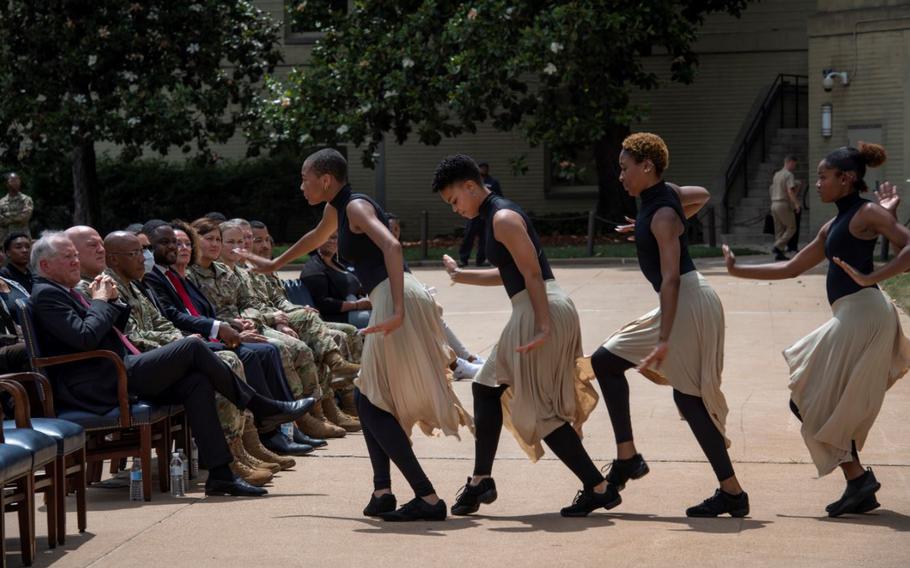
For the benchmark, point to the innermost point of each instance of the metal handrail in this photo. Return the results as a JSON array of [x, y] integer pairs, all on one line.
[[756, 128]]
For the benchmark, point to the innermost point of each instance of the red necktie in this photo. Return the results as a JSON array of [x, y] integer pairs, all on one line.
[[123, 339], [181, 291]]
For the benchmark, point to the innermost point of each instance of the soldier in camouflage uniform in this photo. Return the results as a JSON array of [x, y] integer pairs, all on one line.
[[15, 209], [148, 329]]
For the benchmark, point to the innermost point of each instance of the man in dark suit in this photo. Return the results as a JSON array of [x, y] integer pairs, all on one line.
[[191, 312], [184, 372]]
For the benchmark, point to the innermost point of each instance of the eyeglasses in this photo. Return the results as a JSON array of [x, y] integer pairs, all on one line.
[[131, 254], [184, 245]]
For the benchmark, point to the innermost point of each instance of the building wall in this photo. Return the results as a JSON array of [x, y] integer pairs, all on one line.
[[871, 41]]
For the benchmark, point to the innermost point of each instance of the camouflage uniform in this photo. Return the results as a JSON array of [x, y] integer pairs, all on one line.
[[231, 299], [148, 329], [15, 213]]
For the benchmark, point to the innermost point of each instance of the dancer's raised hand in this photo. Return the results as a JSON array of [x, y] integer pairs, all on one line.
[[729, 257], [857, 276], [626, 229], [888, 197]]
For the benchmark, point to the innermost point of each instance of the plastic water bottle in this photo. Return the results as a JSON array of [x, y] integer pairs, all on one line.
[[136, 481], [186, 468], [288, 430], [176, 476], [194, 460]]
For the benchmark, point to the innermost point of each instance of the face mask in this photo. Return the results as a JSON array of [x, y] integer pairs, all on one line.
[[148, 259]]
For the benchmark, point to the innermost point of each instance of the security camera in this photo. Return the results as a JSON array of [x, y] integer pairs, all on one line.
[[828, 78]]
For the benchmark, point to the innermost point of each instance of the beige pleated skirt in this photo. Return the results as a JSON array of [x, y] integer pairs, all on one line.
[[546, 386], [839, 374], [406, 373], [695, 359]]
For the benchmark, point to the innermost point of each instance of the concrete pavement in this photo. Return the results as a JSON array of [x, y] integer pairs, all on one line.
[[312, 516]]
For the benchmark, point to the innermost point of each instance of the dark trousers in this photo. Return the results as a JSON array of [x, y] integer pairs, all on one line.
[[611, 375], [262, 366], [795, 410], [186, 372], [792, 244], [564, 441], [14, 358], [473, 229], [387, 442]]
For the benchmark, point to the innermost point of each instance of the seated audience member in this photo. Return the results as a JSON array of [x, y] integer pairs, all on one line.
[[17, 248], [180, 302], [147, 329], [184, 372], [336, 291], [215, 216], [92, 257]]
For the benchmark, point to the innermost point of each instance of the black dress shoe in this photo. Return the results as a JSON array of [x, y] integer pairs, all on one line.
[[470, 497], [385, 503], [277, 442], [588, 500], [857, 492], [720, 503], [236, 487], [301, 438], [621, 471], [281, 412], [416, 510]]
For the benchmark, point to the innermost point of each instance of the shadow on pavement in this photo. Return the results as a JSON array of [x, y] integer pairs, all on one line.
[[878, 518], [46, 556], [551, 523], [719, 525], [419, 528]]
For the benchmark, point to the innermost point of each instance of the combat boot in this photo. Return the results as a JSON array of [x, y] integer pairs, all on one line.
[[315, 427], [348, 403], [254, 447], [340, 367]]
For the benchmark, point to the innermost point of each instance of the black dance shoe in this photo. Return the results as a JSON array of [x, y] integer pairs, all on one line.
[[416, 510], [236, 487], [273, 413], [385, 503], [278, 443], [301, 438], [470, 496], [588, 500], [621, 471], [720, 503], [868, 504], [857, 492]]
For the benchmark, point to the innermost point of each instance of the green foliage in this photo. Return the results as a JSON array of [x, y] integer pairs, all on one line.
[[142, 74], [560, 70], [135, 192]]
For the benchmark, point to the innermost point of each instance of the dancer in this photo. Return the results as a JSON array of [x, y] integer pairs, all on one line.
[[403, 379], [529, 381], [839, 373], [681, 342]]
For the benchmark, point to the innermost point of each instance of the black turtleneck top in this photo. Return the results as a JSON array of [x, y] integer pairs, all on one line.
[[856, 252], [499, 256], [653, 199], [357, 249]]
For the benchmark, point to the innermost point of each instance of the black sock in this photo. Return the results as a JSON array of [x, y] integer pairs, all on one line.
[[856, 482], [221, 473]]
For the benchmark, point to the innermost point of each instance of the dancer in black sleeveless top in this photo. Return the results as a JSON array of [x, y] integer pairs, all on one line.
[[681, 342], [839, 373], [530, 382], [403, 379]]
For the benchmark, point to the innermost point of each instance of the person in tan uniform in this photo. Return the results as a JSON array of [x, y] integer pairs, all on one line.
[[840, 372], [15, 208], [784, 206]]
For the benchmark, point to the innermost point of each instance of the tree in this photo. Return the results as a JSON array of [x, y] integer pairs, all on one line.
[[142, 74], [562, 72]]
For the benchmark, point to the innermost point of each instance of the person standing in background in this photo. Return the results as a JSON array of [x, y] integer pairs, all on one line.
[[15, 208], [784, 206]]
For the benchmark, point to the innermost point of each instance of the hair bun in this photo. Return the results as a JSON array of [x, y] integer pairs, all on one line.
[[873, 154]]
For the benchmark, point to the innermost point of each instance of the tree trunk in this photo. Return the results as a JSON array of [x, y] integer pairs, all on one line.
[[86, 210], [612, 200]]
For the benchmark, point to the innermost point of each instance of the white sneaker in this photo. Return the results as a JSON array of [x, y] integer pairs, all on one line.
[[464, 369]]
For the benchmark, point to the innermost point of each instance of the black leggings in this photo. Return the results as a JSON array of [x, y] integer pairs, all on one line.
[[564, 441], [795, 410], [611, 374], [387, 440]]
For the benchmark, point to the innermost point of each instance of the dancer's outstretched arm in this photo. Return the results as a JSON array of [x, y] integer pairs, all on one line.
[[878, 221], [811, 255], [483, 277], [692, 197], [306, 244]]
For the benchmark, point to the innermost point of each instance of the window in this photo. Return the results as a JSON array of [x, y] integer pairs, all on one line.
[[571, 174], [304, 20]]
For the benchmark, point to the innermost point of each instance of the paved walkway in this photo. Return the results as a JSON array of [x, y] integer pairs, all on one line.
[[312, 517]]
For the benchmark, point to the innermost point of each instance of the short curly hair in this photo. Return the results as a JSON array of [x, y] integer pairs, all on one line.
[[648, 146]]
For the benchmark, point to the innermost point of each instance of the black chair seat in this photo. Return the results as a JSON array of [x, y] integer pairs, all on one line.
[[143, 413], [42, 447], [14, 461], [68, 435], [298, 293]]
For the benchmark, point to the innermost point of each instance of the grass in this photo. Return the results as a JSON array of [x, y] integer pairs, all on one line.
[[898, 288], [610, 250]]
